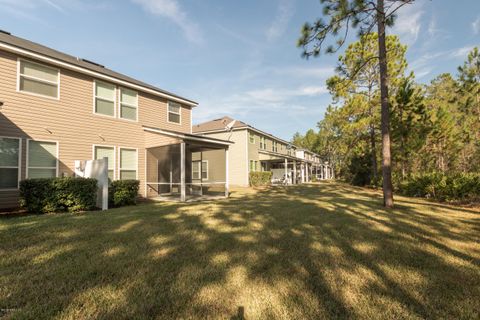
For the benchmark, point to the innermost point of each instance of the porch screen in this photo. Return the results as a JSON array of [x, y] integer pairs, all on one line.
[[42, 159], [128, 164], [9, 164]]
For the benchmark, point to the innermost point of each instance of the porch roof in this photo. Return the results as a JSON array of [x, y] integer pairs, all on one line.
[[189, 137]]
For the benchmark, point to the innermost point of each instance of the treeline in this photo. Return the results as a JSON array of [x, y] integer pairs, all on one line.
[[435, 128]]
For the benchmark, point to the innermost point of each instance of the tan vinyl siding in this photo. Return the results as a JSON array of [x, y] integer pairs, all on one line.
[[238, 162], [70, 120]]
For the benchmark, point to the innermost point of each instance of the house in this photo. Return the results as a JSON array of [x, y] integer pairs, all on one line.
[[256, 150], [56, 108]]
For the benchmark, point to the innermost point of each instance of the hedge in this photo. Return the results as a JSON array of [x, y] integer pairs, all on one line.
[[260, 178], [58, 194], [123, 192], [443, 187]]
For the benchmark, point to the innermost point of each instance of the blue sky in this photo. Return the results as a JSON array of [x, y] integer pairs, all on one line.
[[235, 58]]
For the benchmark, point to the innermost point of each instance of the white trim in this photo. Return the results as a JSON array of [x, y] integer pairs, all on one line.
[[19, 74], [120, 162], [182, 136], [67, 65], [179, 113], [95, 99], [114, 157], [127, 104], [56, 157], [19, 167]]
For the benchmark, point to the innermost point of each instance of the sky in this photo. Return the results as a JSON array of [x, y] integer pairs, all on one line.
[[235, 58]]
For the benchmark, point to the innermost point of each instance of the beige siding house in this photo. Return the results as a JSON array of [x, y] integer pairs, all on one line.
[[56, 108], [256, 150]]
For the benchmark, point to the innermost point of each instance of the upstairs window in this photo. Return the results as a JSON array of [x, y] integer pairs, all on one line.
[[251, 137], [128, 164], [263, 145], [104, 98], [42, 159], [38, 79], [174, 112], [274, 146], [128, 104], [9, 163]]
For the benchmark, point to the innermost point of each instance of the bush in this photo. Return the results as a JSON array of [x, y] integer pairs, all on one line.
[[443, 187], [123, 192], [58, 194], [260, 178]]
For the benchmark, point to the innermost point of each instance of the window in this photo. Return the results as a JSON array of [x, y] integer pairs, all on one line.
[[197, 168], [9, 162], [128, 164], [174, 112], [38, 79], [128, 104], [101, 152], [42, 159], [253, 165], [104, 98], [251, 137], [274, 146], [263, 145]]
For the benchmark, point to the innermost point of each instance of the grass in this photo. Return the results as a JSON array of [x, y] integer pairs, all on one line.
[[317, 251]]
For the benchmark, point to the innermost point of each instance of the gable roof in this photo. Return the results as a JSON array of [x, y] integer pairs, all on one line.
[[218, 124], [10, 43], [221, 123]]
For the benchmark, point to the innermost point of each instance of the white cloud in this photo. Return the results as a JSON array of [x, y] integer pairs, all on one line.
[[275, 95], [408, 23], [282, 18], [172, 10], [460, 52], [476, 26]]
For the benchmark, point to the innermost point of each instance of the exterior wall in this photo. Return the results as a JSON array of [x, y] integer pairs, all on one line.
[[237, 156], [70, 121]]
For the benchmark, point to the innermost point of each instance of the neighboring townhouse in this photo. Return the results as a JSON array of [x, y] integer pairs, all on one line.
[[56, 108], [314, 167], [256, 150]]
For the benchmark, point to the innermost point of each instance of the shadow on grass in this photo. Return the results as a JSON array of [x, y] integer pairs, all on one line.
[[315, 251]]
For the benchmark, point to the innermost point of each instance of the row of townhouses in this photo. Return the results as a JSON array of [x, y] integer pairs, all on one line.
[[56, 108]]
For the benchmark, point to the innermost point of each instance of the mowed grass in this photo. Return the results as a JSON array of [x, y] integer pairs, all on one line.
[[316, 251]]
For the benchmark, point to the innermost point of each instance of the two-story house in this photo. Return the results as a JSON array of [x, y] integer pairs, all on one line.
[[256, 150], [56, 108]]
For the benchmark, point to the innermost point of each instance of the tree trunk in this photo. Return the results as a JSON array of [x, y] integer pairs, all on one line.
[[374, 154], [386, 154]]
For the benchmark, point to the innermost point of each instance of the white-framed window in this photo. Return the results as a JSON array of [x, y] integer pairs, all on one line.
[[104, 98], [128, 104], [200, 166], [263, 144], [128, 164], [10, 160], [274, 146], [253, 165], [38, 79], [251, 137], [100, 152], [42, 159], [174, 115]]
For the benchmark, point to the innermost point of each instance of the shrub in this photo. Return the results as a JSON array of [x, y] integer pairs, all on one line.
[[443, 187], [260, 178], [123, 192], [58, 194]]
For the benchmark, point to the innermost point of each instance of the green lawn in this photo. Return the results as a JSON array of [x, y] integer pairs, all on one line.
[[306, 252]]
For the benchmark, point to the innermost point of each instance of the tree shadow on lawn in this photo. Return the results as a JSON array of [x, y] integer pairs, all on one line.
[[315, 251]]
